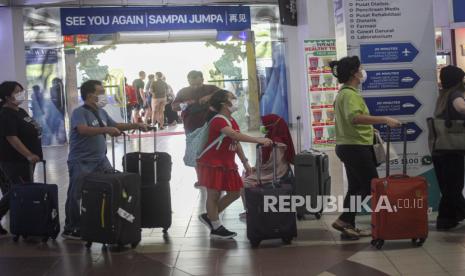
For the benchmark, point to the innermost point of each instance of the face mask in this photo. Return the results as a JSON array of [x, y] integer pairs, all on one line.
[[20, 97], [102, 101], [263, 130], [364, 76], [234, 107]]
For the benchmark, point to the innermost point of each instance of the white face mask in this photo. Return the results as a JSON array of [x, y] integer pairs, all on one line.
[[102, 101], [364, 76], [20, 97], [234, 107]]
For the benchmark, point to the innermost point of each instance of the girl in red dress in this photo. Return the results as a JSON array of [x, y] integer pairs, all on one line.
[[217, 170]]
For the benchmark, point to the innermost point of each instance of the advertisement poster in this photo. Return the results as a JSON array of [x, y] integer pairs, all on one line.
[[47, 98], [398, 54], [322, 89]]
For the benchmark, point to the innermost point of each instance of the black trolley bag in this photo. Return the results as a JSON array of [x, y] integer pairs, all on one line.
[[34, 209], [110, 208], [155, 171], [311, 169], [263, 225]]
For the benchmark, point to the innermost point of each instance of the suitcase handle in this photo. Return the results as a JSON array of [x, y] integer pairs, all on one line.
[[31, 170], [299, 135], [274, 182], [113, 156], [404, 153], [154, 129]]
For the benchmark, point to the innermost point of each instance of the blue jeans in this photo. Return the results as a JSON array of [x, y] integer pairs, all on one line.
[[77, 169]]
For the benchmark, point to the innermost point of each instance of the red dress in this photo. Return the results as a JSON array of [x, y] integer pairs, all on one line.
[[217, 169]]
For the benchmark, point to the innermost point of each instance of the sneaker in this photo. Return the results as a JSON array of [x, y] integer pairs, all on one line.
[[363, 232], [347, 230], [205, 220], [222, 233], [71, 235], [3, 231]]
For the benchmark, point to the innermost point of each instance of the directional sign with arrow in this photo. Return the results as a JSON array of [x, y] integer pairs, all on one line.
[[413, 132], [395, 105], [390, 79], [387, 53]]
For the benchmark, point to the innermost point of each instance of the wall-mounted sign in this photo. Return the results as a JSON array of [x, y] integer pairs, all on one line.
[[390, 79], [392, 106], [387, 53], [139, 19]]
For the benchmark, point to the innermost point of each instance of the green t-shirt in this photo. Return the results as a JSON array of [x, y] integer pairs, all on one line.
[[138, 84], [349, 103]]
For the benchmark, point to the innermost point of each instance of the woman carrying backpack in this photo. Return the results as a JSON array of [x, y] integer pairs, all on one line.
[[217, 169]]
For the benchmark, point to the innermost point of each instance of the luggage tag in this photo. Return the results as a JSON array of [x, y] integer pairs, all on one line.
[[125, 215]]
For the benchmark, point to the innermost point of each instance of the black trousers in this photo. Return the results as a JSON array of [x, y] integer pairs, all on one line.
[[359, 162], [449, 170], [16, 173]]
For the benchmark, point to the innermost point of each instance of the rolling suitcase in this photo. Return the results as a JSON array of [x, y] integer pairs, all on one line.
[[311, 169], [34, 209], [263, 225], [155, 171], [110, 208], [408, 199]]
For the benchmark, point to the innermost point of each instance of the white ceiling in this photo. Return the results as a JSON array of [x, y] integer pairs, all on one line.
[[127, 2]]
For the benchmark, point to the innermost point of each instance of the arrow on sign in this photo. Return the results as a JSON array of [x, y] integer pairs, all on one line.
[[390, 79], [413, 132], [395, 105], [388, 53]]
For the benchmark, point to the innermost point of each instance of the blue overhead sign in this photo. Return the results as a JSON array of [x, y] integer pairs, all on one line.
[[413, 132], [459, 10], [138, 19], [392, 106], [387, 53], [390, 79]]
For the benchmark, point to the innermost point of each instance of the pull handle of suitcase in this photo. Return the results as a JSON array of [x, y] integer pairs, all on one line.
[[258, 164], [154, 129], [31, 170], [404, 153], [299, 135], [113, 156]]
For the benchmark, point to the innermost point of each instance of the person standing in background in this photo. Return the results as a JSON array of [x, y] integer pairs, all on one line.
[[159, 90], [139, 86], [148, 111], [171, 116]]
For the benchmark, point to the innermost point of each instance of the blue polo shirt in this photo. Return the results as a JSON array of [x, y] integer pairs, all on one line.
[[89, 148]]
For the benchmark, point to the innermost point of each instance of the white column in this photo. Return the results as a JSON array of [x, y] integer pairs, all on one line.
[[12, 52]]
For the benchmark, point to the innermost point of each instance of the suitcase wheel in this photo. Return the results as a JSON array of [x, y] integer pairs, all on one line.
[[165, 230], [287, 240], [134, 245], [16, 238], [377, 243], [88, 244], [418, 242], [255, 243], [318, 215]]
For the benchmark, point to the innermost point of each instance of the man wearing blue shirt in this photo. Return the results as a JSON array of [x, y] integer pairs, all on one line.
[[90, 124]]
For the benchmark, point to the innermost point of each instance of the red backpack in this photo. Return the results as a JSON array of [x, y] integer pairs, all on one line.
[[131, 95]]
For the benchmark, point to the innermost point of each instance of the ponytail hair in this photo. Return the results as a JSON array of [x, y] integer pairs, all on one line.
[[6, 90], [216, 102], [345, 68]]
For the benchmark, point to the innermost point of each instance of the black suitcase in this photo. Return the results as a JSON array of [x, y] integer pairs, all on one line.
[[110, 208], [311, 169], [34, 210], [156, 195], [263, 225]]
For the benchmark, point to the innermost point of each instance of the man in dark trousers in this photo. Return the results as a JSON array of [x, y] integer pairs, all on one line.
[[193, 102]]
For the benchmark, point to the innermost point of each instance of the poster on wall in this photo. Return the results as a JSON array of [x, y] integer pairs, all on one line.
[[46, 91], [322, 89], [398, 54]]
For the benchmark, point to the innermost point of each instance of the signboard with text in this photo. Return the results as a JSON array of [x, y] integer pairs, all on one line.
[[139, 19]]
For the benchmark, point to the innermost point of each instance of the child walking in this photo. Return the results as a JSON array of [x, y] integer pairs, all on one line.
[[217, 169]]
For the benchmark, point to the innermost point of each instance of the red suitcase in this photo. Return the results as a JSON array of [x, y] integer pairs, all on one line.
[[408, 199]]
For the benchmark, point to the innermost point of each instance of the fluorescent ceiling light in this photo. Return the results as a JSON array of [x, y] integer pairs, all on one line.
[[164, 36]]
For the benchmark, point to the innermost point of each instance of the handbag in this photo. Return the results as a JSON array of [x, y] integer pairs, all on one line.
[[446, 135], [380, 150]]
